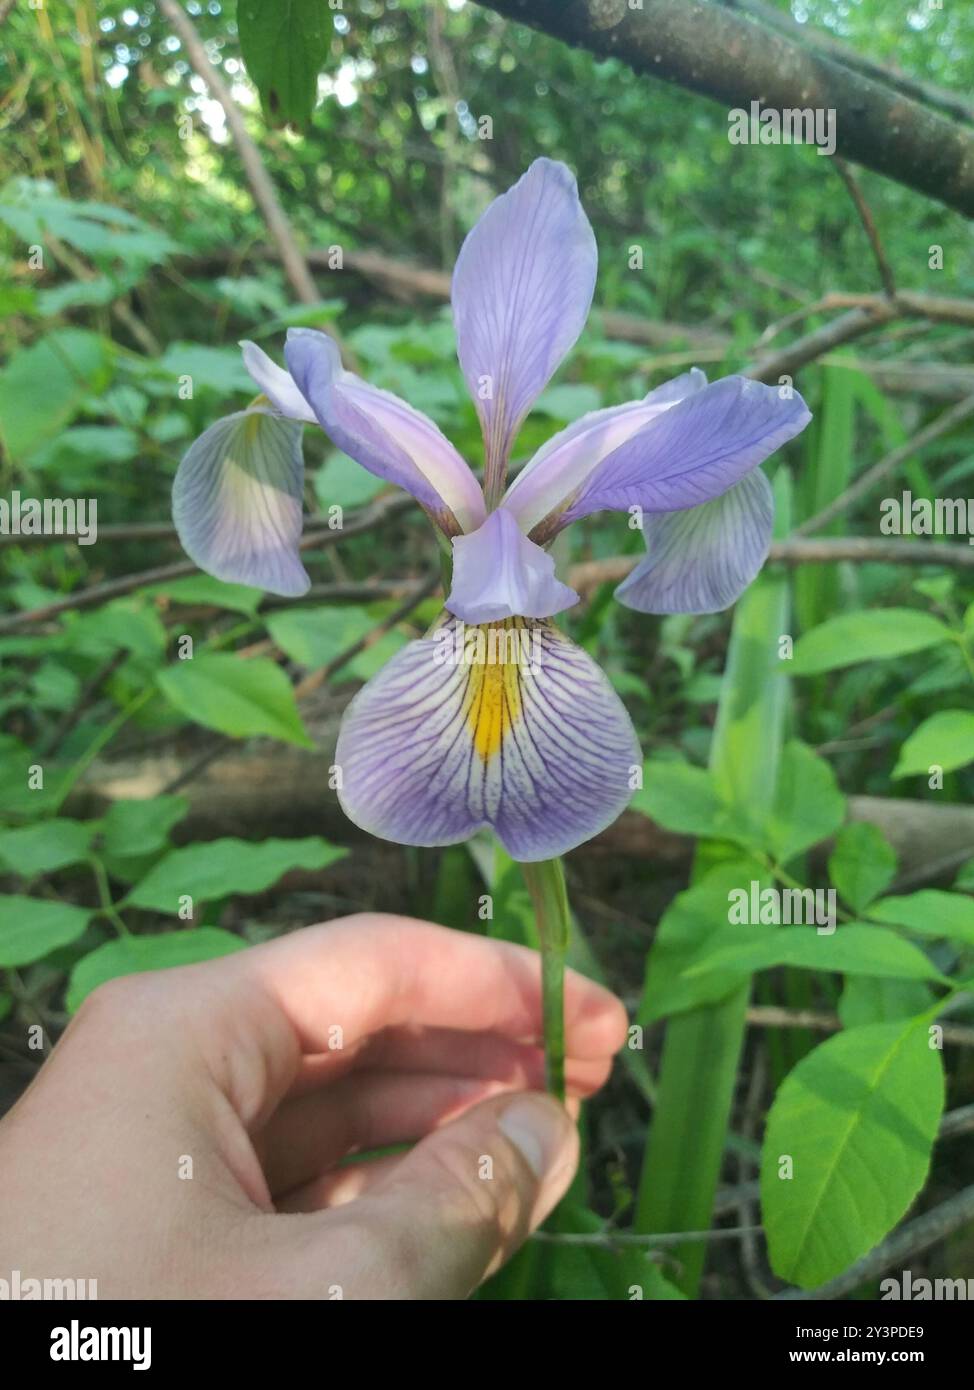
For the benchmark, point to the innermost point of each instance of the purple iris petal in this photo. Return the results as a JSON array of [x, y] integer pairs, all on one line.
[[702, 559], [276, 384], [498, 573], [236, 502], [522, 289], [568, 458], [383, 433], [694, 451], [539, 748]]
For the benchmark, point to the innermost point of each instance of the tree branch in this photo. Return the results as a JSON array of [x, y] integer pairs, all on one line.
[[728, 57]]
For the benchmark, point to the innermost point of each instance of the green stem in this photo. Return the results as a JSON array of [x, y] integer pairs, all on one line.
[[546, 884]]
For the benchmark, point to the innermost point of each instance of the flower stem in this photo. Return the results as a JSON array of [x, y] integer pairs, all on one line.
[[546, 884]]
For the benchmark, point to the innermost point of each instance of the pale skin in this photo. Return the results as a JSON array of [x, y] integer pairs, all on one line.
[[232, 1064]]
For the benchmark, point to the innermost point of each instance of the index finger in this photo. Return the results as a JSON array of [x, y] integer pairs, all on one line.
[[372, 971]]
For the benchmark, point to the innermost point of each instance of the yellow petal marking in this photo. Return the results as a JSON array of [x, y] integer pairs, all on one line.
[[495, 653]]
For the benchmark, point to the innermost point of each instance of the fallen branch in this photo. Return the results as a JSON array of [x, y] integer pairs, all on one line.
[[732, 59], [96, 594], [589, 574]]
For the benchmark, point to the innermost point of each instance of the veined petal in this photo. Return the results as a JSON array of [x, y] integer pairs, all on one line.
[[522, 289], [383, 433], [276, 384], [498, 573], [236, 502], [533, 743], [563, 464], [702, 559]]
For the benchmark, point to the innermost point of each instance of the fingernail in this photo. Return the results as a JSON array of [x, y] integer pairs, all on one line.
[[535, 1126]]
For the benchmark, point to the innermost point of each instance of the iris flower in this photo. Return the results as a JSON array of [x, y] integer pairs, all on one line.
[[496, 718]]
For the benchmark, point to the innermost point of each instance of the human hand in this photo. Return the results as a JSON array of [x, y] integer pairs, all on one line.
[[183, 1139]]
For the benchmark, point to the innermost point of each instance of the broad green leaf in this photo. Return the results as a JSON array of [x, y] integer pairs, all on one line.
[[930, 913], [693, 920], [203, 588], [285, 45], [945, 740], [808, 805], [867, 1000], [130, 624], [683, 798], [222, 868], [219, 369], [133, 954], [854, 1122], [852, 950], [30, 928], [344, 483], [862, 864], [42, 848], [141, 827], [313, 637], [68, 365], [965, 877], [236, 697], [870, 635]]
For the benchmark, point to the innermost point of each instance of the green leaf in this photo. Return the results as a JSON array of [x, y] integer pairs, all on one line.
[[857, 1118], [72, 364], [344, 483], [313, 637], [42, 848], [684, 799], [965, 876], [141, 827], [945, 740], [284, 45], [862, 864], [808, 805], [851, 950], [692, 922], [215, 368], [31, 928], [204, 589], [130, 624], [866, 1000], [870, 635], [236, 697], [134, 954], [931, 913], [223, 868]]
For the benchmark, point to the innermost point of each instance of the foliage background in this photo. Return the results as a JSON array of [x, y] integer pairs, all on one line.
[[117, 164]]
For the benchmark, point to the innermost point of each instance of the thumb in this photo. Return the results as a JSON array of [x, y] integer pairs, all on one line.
[[462, 1201]]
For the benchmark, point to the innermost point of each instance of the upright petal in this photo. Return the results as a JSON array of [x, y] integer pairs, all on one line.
[[383, 433], [522, 289], [562, 464], [276, 384], [498, 573], [510, 726], [236, 502], [702, 559]]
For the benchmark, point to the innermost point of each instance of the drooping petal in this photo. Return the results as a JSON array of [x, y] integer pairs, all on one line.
[[276, 384], [498, 573], [236, 502], [685, 455], [533, 743], [383, 433], [702, 559], [563, 463], [522, 289]]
